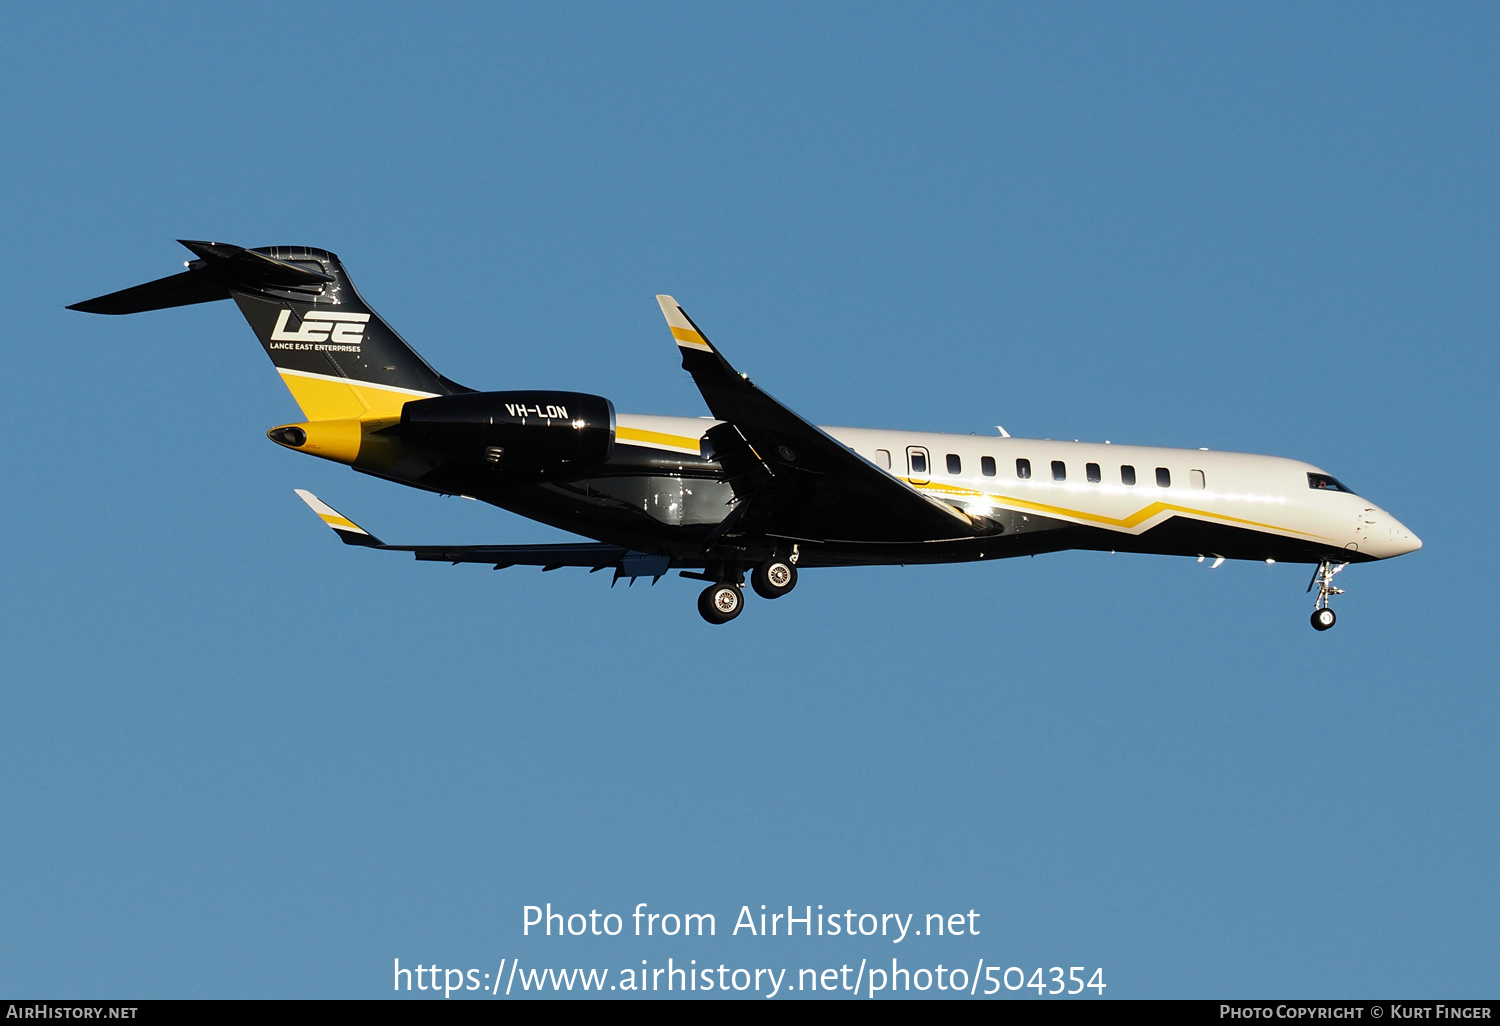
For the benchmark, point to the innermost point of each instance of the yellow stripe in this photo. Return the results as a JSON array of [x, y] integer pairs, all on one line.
[[687, 335], [338, 521], [626, 434], [1135, 519], [321, 399]]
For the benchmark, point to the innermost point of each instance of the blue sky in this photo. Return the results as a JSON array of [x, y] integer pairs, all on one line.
[[239, 759]]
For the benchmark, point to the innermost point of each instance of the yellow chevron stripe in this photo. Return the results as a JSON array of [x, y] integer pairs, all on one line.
[[628, 434], [1135, 519], [689, 336], [337, 521]]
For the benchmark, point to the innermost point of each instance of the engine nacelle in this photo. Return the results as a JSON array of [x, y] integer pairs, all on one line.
[[527, 433]]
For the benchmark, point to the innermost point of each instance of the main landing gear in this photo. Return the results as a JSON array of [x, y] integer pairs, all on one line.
[[1322, 616], [774, 578], [722, 602]]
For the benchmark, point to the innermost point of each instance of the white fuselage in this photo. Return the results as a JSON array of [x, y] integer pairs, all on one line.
[[1087, 483]]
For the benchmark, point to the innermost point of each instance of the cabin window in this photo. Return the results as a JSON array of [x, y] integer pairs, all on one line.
[[1323, 482], [1163, 477], [955, 465], [987, 466], [1127, 474], [918, 461], [1023, 469], [1092, 470], [1196, 479], [883, 459], [1059, 470]]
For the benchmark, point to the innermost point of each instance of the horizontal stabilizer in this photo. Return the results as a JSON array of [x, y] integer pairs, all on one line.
[[183, 289], [219, 267], [243, 266]]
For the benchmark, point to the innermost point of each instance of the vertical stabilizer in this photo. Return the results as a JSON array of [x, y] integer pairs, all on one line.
[[337, 357]]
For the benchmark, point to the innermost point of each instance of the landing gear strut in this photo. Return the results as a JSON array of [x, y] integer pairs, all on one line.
[[720, 603], [1322, 616]]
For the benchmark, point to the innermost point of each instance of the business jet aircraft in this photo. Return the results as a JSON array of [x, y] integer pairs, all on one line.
[[753, 488]]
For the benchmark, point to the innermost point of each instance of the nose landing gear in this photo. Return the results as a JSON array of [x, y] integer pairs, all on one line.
[[1323, 616]]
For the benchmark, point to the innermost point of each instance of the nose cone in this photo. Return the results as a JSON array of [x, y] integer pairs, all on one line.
[[1409, 542], [1383, 536]]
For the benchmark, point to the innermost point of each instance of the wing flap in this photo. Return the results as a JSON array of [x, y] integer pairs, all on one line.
[[593, 555]]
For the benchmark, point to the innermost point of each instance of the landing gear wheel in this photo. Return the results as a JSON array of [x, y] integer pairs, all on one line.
[[773, 578], [721, 603], [1322, 619]]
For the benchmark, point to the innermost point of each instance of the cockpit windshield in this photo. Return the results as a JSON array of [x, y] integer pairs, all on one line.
[[1326, 482]]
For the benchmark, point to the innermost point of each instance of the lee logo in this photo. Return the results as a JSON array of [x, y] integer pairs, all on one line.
[[322, 326]]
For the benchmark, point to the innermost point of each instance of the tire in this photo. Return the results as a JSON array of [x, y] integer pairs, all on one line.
[[773, 578], [1322, 619], [721, 603]]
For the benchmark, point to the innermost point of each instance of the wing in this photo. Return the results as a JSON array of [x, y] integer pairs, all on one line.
[[793, 479], [594, 555]]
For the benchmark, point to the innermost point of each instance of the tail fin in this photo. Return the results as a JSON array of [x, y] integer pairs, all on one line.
[[337, 357]]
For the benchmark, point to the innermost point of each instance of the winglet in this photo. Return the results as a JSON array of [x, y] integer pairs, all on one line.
[[348, 530], [683, 329]]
